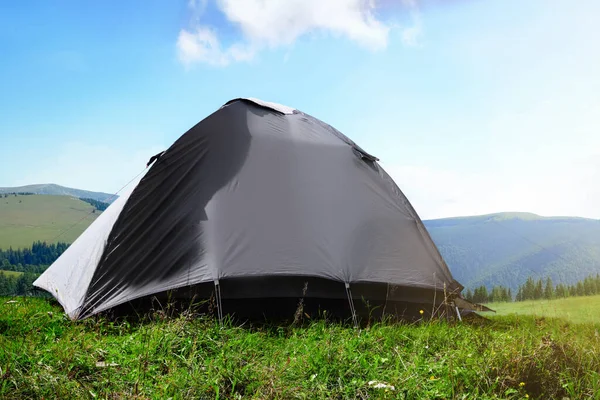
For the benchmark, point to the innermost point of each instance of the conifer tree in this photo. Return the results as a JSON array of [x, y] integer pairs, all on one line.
[[529, 289], [549, 289], [539, 290], [469, 295]]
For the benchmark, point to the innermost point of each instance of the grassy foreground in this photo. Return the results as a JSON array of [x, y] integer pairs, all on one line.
[[43, 355], [574, 309]]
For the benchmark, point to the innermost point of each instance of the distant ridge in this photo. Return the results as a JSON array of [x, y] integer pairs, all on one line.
[[507, 248], [57, 190], [499, 217]]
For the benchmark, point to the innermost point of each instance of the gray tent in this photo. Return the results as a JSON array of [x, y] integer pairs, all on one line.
[[257, 201]]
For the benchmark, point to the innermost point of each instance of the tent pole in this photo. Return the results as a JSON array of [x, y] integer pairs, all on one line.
[[351, 301], [219, 304]]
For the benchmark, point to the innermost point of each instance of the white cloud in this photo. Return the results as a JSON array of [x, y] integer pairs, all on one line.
[[279, 23], [201, 46]]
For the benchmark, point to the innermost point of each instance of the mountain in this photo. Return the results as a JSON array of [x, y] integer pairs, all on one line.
[[57, 190], [506, 248]]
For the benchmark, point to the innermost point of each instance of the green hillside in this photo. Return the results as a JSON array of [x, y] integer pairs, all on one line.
[[505, 249], [25, 219]]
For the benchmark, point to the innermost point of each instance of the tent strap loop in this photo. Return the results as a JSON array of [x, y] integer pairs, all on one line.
[[351, 302]]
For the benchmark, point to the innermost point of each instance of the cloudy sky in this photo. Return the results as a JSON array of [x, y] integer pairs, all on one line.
[[473, 106]]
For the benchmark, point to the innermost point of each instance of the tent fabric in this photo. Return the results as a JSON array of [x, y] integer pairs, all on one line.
[[254, 190]]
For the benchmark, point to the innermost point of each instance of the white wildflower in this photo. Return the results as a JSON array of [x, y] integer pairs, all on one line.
[[381, 385], [102, 364]]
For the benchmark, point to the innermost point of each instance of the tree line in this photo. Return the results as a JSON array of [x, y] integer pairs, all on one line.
[[99, 205], [5, 195], [40, 254], [534, 289], [482, 295]]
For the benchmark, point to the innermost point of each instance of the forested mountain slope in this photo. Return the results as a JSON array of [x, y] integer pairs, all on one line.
[[507, 248]]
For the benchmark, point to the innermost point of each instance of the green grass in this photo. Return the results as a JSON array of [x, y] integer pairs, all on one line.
[[11, 273], [44, 355], [25, 219], [574, 309]]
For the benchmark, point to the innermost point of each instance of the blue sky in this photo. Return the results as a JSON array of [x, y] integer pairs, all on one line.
[[472, 106]]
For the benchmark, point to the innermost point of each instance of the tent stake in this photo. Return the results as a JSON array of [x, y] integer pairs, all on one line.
[[219, 304], [351, 301], [458, 313]]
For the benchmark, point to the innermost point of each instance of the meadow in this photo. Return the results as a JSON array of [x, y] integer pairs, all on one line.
[[160, 356], [11, 273], [584, 309], [25, 219]]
